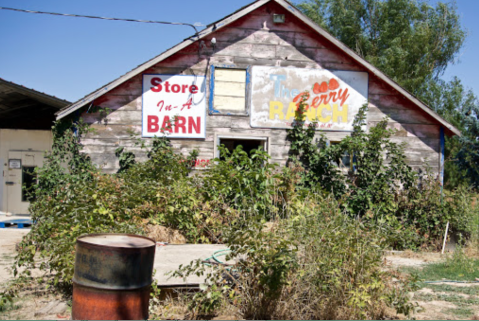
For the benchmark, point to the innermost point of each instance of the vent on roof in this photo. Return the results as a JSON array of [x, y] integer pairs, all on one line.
[[278, 18]]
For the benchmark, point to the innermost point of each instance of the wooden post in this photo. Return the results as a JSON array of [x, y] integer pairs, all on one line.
[[445, 238]]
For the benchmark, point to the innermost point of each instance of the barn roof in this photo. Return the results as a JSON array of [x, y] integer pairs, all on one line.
[[450, 129], [25, 108]]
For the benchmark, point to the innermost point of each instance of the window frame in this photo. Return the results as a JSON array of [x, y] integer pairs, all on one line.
[[211, 108], [342, 166], [261, 137]]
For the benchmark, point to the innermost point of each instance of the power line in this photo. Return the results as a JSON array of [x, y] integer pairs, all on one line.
[[102, 18]]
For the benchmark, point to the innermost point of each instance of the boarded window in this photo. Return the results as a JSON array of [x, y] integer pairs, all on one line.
[[230, 90]]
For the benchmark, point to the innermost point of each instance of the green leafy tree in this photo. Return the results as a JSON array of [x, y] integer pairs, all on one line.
[[411, 41], [454, 103], [468, 156]]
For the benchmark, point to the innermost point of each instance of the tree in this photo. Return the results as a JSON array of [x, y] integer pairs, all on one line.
[[453, 102], [411, 41], [468, 156]]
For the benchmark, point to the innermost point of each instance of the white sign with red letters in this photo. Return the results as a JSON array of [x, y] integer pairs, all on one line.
[[174, 105]]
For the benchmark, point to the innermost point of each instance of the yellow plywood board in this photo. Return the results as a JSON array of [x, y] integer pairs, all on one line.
[[230, 103], [231, 75]]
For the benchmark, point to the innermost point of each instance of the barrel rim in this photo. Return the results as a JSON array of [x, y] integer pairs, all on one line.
[[82, 242], [102, 287]]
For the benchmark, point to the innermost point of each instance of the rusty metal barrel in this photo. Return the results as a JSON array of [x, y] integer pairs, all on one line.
[[113, 275]]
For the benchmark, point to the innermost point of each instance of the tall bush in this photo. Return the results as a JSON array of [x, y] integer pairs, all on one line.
[[377, 186], [319, 265]]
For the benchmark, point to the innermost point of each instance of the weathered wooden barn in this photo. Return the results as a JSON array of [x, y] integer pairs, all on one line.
[[235, 82], [26, 119]]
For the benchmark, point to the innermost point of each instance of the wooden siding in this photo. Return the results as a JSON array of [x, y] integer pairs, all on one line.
[[249, 41]]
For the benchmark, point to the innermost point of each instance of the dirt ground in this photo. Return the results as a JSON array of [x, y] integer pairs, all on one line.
[[438, 301], [8, 238], [34, 302], [441, 301]]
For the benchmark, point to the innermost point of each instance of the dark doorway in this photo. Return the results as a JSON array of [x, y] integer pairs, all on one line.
[[247, 144], [28, 181]]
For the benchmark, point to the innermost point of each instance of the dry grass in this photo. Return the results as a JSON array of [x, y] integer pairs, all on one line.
[[165, 234], [175, 307]]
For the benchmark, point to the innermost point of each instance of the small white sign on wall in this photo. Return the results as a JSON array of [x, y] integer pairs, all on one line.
[[14, 163], [174, 106]]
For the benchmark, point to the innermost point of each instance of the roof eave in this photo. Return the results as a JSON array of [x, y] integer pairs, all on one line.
[[37, 95]]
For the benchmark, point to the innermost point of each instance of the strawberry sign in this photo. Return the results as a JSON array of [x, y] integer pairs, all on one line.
[[334, 97], [173, 105]]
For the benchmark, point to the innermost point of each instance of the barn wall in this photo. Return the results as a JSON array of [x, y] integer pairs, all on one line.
[[251, 41]]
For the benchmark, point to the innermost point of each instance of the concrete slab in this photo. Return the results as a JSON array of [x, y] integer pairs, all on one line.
[[170, 257], [13, 217]]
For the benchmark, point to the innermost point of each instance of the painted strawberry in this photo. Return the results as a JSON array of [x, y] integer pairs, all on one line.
[[316, 89], [333, 84], [324, 87]]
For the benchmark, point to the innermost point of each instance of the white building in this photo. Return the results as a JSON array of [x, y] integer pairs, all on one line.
[[26, 118]]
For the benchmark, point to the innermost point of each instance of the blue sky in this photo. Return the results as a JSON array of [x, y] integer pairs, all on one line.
[[71, 57]]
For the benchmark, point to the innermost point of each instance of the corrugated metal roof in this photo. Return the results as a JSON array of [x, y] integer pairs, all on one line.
[[26, 108]]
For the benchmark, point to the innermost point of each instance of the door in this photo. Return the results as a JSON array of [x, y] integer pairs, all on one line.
[[20, 169]]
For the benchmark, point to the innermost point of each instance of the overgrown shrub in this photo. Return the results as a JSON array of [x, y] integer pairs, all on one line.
[[317, 266], [405, 206], [330, 226], [73, 198]]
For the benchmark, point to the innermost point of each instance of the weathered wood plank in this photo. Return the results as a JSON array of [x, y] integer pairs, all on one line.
[[175, 71], [387, 101], [124, 117], [244, 62], [218, 121], [113, 131], [341, 66], [378, 87], [422, 131], [108, 142], [307, 64], [260, 21], [184, 61], [132, 87], [249, 50], [415, 143], [413, 130], [405, 116], [124, 102]]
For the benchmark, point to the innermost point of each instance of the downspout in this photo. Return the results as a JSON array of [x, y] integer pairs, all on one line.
[[442, 151]]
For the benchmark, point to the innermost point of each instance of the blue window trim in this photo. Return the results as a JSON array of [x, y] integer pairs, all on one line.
[[443, 149], [211, 109]]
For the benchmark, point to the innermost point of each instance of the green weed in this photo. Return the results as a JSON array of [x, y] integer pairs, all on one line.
[[469, 290], [457, 267], [461, 312]]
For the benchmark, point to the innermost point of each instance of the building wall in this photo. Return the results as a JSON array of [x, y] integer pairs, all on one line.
[[255, 40], [29, 146]]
